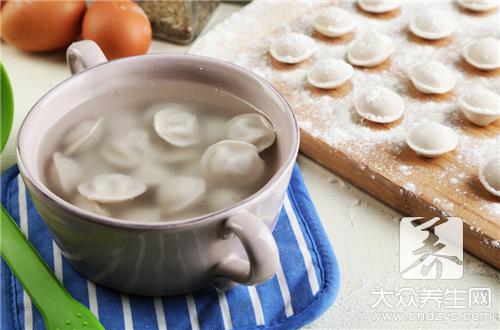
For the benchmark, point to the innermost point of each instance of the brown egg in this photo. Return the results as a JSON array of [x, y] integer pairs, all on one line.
[[120, 28], [41, 25]]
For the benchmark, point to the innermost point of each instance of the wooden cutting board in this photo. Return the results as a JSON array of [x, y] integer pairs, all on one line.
[[374, 157]]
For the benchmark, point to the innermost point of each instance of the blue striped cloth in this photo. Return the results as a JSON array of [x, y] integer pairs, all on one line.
[[304, 287]]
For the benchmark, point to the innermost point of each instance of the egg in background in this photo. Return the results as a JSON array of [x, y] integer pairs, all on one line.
[[39, 26], [120, 28]]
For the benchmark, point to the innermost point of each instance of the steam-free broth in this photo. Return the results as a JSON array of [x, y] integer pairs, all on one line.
[[161, 153]]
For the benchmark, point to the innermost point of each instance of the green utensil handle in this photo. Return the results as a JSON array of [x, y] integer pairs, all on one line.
[[45, 290]]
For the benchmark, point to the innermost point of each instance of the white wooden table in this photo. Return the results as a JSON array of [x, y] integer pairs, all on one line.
[[364, 232]]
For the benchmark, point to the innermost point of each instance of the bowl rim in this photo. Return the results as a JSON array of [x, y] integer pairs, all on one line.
[[79, 213]]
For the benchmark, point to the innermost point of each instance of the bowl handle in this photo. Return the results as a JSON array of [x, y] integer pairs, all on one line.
[[260, 247], [84, 54]]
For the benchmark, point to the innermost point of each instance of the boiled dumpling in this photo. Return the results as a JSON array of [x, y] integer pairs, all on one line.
[[220, 198], [292, 48], [329, 74], [431, 77], [141, 214], [478, 5], [370, 50], [111, 188], [151, 174], [180, 192], [232, 162], [334, 22], [378, 6], [431, 139], [213, 129], [130, 150], [66, 173], [175, 155], [489, 175], [380, 105], [253, 128], [483, 53], [480, 106], [83, 136], [89, 205], [177, 126], [432, 25]]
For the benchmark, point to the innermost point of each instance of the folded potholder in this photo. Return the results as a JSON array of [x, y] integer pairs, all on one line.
[[305, 286]]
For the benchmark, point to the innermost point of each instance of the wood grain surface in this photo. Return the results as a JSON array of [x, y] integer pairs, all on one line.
[[376, 171]]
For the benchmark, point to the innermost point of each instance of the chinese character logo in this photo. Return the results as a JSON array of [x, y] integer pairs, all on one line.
[[431, 248]]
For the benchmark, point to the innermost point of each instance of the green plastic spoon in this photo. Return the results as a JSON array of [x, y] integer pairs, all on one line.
[[7, 107], [59, 310]]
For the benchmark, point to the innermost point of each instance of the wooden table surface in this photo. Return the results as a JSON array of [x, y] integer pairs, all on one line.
[[364, 232]]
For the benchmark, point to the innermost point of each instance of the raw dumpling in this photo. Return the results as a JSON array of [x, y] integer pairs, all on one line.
[[90, 206], [253, 128], [177, 126], [180, 192], [370, 50], [129, 151], [83, 136], [489, 175], [478, 5], [480, 106], [380, 105], [431, 77], [232, 162], [292, 48], [221, 198], [151, 174], [431, 139], [111, 188], [378, 6], [334, 22], [66, 173], [328, 74], [432, 25], [483, 53]]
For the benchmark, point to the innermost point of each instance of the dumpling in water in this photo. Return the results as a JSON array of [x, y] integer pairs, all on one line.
[[111, 188], [130, 150], [177, 126], [232, 162], [141, 214], [83, 136], [89, 205], [213, 129], [151, 174], [180, 193], [221, 198], [252, 128], [65, 172]]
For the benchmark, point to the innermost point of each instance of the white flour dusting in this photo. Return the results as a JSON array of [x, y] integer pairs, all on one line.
[[341, 127]]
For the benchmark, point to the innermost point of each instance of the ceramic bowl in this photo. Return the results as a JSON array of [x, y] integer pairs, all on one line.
[[234, 245]]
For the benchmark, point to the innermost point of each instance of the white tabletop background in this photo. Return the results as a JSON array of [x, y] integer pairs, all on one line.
[[363, 231]]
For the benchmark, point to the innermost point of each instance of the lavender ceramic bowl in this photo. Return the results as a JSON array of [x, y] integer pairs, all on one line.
[[234, 245]]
